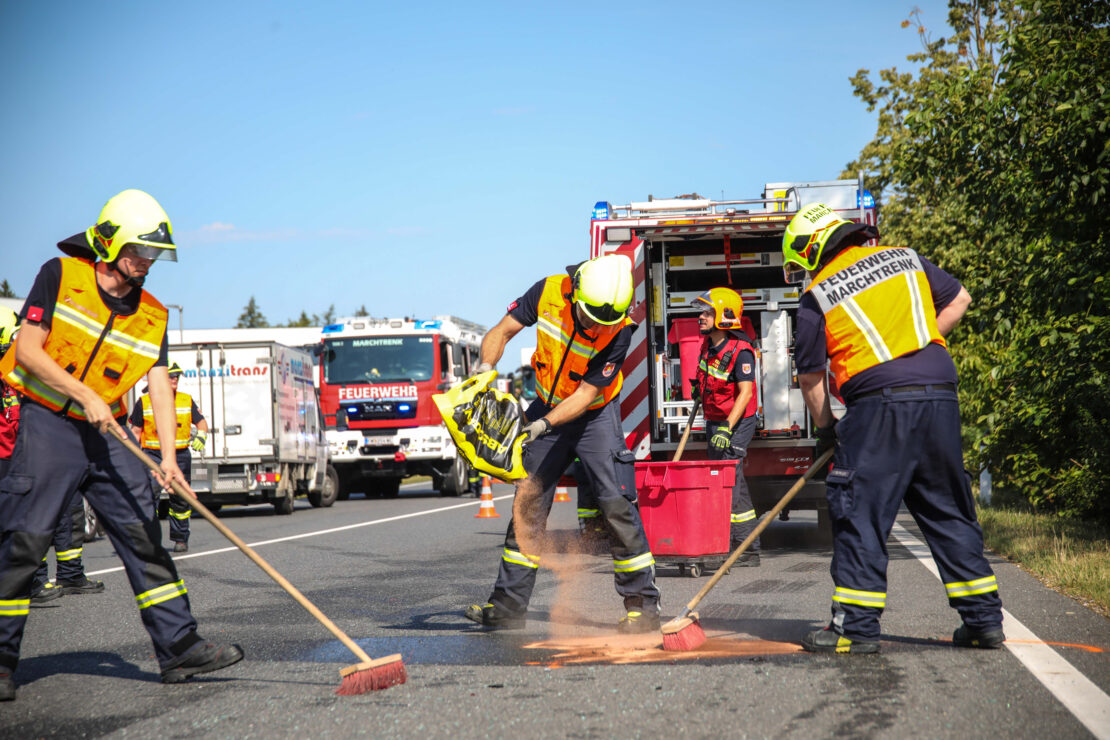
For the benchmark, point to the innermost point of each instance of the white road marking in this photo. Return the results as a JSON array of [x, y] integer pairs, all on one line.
[[1076, 692], [317, 533]]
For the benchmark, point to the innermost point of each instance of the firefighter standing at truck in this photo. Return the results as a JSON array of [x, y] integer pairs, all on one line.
[[725, 383], [878, 317], [583, 334], [188, 416], [89, 333]]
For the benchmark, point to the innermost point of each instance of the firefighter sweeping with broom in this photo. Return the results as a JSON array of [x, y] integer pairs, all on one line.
[[583, 333], [89, 333]]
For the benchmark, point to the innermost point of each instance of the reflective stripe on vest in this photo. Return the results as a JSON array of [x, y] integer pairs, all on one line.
[[104, 350], [718, 393], [183, 408], [877, 305], [568, 353]]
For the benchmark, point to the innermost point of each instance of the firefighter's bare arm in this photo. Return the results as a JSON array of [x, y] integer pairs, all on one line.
[[574, 405], [736, 413], [815, 391], [951, 314], [493, 343], [30, 354], [165, 422]]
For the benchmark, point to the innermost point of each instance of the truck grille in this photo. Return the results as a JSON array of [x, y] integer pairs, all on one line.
[[379, 409], [378, 449]]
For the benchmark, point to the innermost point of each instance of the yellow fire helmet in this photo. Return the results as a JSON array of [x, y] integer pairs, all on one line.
[[806, 237], [603, 288], [727, 306], [175, 370], [9, 325], [132, 217]]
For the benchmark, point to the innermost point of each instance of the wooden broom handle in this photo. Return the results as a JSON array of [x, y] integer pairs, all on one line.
[[762, 525], [686, 432], [187, 493]]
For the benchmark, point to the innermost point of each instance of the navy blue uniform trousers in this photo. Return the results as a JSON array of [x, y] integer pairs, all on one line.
[[180, 510], [896, 447], [69, 540], [742, 520], [55, 455], [609, 467]]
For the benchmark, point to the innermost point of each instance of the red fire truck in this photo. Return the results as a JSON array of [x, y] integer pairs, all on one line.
[[679, 248], [377, 378]]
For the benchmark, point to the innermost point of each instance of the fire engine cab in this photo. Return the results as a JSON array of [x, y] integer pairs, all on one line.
[[679, 248], [377, 378]]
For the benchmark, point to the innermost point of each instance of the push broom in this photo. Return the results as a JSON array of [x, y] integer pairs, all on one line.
[[683, 632], [366, 675]]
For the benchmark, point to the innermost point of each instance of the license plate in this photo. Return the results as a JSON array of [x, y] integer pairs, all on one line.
[[377, 441]]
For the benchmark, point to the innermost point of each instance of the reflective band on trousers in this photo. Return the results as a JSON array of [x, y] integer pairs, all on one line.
[[971, 588], [875, 599], [15, 607], [588, 513], [519, 558], [637, 563], [181, 514], [747, 516], [160, 594], [69, 554]]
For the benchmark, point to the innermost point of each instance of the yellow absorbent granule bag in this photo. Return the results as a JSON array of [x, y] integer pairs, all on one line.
[[486, 424]]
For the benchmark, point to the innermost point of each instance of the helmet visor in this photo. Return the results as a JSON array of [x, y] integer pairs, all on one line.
[[150, 252], [793, 274], [603, 314]]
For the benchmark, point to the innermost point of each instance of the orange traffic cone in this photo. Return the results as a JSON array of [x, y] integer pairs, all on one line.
[[561, 494], [486, 509]]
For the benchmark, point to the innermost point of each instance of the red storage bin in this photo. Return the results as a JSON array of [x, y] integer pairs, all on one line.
[[686, 506]]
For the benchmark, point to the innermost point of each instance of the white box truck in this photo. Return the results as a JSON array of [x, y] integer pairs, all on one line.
[[266, 438]]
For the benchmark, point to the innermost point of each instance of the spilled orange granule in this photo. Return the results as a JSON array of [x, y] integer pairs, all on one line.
[[648, 648]]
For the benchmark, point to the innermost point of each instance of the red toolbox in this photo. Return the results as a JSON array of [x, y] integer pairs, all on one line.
[[686, 507]]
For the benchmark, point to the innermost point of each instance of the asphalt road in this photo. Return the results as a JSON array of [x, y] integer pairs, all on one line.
[[395, 575]]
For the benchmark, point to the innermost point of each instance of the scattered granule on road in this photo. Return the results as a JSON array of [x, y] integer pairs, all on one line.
[[625, 649]]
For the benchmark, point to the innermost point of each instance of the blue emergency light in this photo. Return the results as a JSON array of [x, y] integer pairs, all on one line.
[[333, 328], [428, 324], [352, 410], [403, 408], [868, 201], [602, 209]]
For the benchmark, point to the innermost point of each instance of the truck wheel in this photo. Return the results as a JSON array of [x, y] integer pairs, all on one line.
[[343, 485], [457, 480], [327, 495], [389, 487], [284, 505]]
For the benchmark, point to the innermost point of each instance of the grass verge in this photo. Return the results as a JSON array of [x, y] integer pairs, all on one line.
[[1069, 555]]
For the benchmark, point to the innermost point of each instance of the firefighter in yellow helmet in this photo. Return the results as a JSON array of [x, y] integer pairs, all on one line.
[[583, 334], [877, 318], [9, 421], [187, 416], [725, 383], [89, 333]]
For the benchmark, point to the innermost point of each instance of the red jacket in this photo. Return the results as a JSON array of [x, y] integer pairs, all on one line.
[[9, 421], [718, 392]]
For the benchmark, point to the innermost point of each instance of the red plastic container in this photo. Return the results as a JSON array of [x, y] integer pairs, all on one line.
[[686, 505]]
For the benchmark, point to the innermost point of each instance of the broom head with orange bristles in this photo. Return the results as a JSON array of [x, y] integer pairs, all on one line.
[[372, 676], [683, 633]]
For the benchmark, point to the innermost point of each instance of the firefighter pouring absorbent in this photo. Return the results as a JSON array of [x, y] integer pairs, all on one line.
[[877, 316], [89, 333], [583, 333]]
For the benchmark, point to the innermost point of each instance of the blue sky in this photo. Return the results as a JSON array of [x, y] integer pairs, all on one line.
[[419, 158]]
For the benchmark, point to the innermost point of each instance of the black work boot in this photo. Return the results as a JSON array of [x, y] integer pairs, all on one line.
[[969, 637], [747, 560], [7, 685], [84, 586], [46, 596], [179, 546], [495, 617], [637, 622], [205, 657], [829, 640]]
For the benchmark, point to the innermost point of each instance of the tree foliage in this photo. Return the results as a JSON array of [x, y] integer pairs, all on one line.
[[6, 290], [252, 317], [993, 160]]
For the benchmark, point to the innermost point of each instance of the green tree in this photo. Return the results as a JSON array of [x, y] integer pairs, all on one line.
[[6, 290], [362, 311], [993, 162], [329, 315], [303, 320], [252, 317]]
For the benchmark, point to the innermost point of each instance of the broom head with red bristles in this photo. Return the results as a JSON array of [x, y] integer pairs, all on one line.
[[683, 633], [373, 676]]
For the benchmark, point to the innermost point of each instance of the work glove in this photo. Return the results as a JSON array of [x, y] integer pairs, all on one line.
[[826, 438], [198, 442], [485, 367], [695, 392], [536, 429], [721, 439]]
